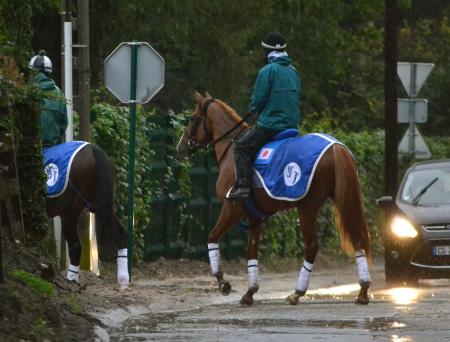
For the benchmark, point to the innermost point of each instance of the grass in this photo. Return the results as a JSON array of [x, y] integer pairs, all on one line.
[[34, 282], [74, 304], [40, 327]]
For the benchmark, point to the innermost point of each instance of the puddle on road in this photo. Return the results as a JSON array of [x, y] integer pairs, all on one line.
[[200, 323], [187, 324]]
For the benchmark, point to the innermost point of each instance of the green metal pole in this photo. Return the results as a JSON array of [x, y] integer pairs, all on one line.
[[131, 154]]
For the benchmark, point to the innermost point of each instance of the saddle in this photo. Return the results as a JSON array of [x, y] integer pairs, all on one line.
[[57, 163], [285, 167]]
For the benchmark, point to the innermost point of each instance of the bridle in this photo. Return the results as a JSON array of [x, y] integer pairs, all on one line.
[[193, 144]]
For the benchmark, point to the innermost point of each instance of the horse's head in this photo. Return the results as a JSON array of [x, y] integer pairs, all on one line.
[[198, 132]]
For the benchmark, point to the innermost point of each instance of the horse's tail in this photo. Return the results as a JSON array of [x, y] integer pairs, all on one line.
[[349, 209], [107, 226]]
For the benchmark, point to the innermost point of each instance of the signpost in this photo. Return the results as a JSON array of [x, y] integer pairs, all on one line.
[[419, 108], [421, 150], [412, 111], [134, 73], [413, 75]]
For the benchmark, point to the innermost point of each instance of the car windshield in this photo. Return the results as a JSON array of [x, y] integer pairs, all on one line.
[[435, 182]]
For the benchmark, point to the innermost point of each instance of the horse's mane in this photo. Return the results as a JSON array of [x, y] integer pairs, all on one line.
[[230, 111]]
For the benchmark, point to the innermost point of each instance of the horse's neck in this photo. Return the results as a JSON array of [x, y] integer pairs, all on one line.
[[224, 150], [223, 125]]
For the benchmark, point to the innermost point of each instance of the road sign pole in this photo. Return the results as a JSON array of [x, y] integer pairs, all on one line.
[[139, 87], [412, 92], [131, 153], [413, 111]]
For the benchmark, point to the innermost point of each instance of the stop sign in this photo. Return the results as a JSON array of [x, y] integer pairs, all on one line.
[[149, 75]]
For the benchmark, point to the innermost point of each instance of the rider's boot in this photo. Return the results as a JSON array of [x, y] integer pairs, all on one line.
[[238, 191]]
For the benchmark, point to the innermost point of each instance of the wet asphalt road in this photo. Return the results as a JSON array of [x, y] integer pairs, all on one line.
[[326, 314]]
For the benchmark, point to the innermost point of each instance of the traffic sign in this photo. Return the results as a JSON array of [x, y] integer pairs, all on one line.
[[149, 73], [415, 109], [134, 73], [419, 148], [413, 75]]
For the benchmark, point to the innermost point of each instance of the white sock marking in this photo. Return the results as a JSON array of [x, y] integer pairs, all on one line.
[[214, 257], [304, 276], [123, 278], [363, 270], [253, 279], [73, 273]]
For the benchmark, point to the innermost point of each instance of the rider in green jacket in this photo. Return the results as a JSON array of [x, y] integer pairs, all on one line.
[[276, 100], [53, 106]]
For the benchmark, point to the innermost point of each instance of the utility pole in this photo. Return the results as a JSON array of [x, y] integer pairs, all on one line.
[[68, 69], [390, 97], [84, 84], [87, 222], [3, 112]]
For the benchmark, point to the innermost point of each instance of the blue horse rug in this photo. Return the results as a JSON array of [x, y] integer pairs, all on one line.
[[285, 168], [57, 163]]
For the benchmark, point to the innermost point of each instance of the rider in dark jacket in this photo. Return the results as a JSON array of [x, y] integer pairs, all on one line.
[[276, 100], [53, 106]]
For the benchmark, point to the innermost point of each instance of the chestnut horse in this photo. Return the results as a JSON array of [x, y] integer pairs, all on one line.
[[91, 185], [213, 123]]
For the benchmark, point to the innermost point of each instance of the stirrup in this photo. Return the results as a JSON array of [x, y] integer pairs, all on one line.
[[238, 193]]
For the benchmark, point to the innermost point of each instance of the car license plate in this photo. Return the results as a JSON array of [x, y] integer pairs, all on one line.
[[441, 250]]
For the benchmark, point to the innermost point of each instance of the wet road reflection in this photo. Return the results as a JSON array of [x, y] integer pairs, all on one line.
[[396, 338], [404, 295], [336, 290], [403, 314]]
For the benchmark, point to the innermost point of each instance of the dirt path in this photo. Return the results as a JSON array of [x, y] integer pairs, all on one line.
[[178, 285]]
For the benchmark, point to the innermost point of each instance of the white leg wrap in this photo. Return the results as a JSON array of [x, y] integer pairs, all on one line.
[[123, 278], [303, 277], [363, 270], [214, 257], [73, 273], [253, 281]]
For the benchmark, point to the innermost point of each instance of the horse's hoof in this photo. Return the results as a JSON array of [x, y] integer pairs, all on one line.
[[362, 301], [225, 288], [291, 299], [246, 300]]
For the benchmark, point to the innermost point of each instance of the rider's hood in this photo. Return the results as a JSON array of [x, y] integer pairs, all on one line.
[[43, 81]]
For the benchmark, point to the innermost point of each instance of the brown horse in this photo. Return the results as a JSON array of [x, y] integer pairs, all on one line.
[[216, 124], [91, 185]]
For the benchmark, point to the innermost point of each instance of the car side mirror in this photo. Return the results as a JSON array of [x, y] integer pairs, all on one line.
[[384, 202]]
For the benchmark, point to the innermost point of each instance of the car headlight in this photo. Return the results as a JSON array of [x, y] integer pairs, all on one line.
[[402, 227]]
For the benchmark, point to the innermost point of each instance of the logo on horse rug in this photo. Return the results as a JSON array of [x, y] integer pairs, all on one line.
[[57, 163], [285, 168]]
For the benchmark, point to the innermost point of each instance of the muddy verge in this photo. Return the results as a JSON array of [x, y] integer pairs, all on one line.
[[35, 309]]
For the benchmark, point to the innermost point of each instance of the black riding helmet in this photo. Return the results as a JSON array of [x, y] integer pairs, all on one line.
[[274, 41]]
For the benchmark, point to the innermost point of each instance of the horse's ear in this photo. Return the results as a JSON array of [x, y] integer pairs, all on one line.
[[207, 94], [198, 97]]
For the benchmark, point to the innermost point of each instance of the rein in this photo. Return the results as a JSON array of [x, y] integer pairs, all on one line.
[[192, 144]]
